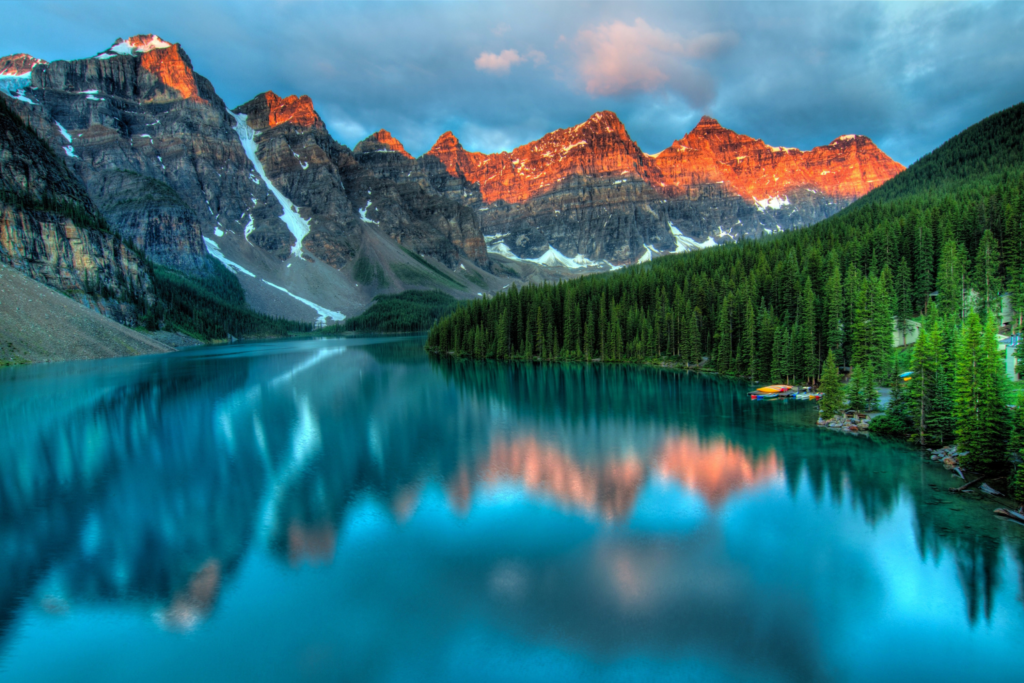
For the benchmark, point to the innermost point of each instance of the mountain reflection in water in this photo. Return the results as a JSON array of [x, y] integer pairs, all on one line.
[[568, 509]]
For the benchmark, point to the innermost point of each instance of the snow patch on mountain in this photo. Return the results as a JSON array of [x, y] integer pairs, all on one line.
[[216, 253], [13, 82], [134, 46], [324, 313], [362, 214], [15, 85], [297, 225], [68, 149], [771, 203], [551, 257], [684, 243]]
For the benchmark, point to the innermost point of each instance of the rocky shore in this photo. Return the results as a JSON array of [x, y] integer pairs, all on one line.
[[849, 421]]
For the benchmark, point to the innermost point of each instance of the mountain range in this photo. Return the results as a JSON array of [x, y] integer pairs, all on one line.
[[151, 158]]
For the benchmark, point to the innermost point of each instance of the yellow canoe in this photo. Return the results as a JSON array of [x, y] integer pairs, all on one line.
[[775, 389]]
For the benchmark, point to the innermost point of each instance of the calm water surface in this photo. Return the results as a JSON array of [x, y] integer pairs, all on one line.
[[355, 511]]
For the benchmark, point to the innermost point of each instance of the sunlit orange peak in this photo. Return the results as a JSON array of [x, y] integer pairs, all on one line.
[[382, 141]]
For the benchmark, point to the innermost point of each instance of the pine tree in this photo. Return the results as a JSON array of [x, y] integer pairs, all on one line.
[[806, 350], [589, 337], [833, 397], [617, 339], [979, 408], [881, 327], [1015, 451], [904, 301], [898, 418], [502, 342], [950, 280], [924, 262], [834, 305], [750, 341], [778, 366], [765, 341], [540, 329], [856, 394], [696, 351], [986, 275], [723, 337]]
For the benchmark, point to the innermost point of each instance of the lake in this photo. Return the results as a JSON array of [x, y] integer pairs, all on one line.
[[355, 510]]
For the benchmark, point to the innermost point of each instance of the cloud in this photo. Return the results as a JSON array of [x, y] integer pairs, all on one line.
[[618, 58], [502, 63]]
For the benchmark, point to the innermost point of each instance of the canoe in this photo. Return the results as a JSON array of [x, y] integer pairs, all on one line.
[[772, 391], [775, 389]]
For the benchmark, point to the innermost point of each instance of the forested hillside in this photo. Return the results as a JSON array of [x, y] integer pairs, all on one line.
[[944, 237], [412, 311]]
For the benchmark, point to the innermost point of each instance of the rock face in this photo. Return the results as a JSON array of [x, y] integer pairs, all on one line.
[[51, 230], [592, 195], [140, 109], [598, 146], [153, 217], [269, 111], [849, 167], [18, 65], [340, 195]]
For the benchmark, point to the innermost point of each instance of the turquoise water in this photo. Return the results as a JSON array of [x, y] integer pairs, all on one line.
[[355, 511]]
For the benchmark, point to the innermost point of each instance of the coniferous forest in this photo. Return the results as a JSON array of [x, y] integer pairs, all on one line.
[[938, 246]]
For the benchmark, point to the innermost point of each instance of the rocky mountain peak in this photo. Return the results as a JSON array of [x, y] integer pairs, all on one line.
[[447, 142], [19, 64], [382, 141], [708, 122], [167, 61], [458, 162], [602, 123], [135, 46], [267, 110], [767, 175], [849, 140]]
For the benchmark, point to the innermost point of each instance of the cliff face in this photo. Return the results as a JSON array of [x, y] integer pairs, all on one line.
[[51, 230], [144, 111], [152, 216], [423, 215], [269, 111], [340, 194], [598, 146], [592, 195]]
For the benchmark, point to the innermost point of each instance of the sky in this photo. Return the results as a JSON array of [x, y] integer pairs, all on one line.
[[500, 74]]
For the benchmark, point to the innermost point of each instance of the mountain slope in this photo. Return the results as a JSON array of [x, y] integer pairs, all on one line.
[[38, 324], [991, 146], [51, 230]]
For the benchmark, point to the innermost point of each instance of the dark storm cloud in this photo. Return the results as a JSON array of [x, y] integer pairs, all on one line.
[[501, 74]]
